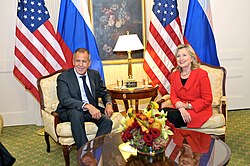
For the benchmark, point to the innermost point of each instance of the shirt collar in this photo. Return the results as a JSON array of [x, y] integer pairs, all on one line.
[[80, 75]]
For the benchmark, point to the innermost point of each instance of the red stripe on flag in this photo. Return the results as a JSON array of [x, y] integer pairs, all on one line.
[[152, 76], [162, 43], [47, 45], [27, 63], [157, 60], [34, 51], [66, 51], [179, 23], [174, 153], [173, 35]]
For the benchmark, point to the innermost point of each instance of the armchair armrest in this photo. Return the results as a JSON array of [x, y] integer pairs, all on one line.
[[56, 120], [224, 106], [166, 97], [164, 101], [50, 120], [223, 99]]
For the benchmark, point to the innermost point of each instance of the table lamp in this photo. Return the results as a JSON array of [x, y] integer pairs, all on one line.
[[129, 43]]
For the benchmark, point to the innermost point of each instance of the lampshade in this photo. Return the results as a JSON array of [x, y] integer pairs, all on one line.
[[130, 42]]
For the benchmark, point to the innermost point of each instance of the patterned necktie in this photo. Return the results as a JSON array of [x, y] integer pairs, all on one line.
[[87, 91]]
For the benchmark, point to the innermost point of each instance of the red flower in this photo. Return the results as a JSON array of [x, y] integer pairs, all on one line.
[[135, 125], [148, 138], [149, 107], [156, 115], [126, 136], [129, 128], [170, 125], [141, 132], [155, 133], [138, 115]]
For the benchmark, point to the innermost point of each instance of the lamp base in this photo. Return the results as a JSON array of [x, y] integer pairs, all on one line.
[[130, 83]]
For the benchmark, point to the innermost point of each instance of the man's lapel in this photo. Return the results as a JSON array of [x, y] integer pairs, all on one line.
[[92, 83], [74, 82]]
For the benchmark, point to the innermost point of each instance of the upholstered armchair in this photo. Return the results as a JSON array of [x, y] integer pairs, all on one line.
[[216, 124], [61, 132]]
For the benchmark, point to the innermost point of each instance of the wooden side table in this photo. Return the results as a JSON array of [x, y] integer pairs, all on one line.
[[131, 94]]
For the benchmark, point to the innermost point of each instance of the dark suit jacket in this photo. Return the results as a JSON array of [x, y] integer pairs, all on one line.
[[68, 90], [196, 91]]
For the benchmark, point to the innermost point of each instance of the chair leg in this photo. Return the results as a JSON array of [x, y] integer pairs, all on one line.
[[66, 149], [46, 136], [222, 137]]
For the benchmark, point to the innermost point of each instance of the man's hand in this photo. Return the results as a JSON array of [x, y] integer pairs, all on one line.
[[96, 114], [185, 115], [109, 110]]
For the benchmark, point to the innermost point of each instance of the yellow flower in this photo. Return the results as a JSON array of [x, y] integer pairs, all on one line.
[[130, 121], [143, 128], [149, 114], [157, 124], [154, 105]]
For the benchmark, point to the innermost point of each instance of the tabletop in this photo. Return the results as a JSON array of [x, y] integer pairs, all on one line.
[[105, 150]]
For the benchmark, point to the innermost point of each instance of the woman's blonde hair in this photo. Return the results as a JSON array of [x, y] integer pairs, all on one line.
[[194, 64]]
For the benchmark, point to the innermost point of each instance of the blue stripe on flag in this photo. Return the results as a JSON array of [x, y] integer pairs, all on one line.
[[204, 160], [76, 33], [200, 35]]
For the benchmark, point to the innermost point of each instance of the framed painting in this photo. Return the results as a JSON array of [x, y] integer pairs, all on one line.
[[112, 18]]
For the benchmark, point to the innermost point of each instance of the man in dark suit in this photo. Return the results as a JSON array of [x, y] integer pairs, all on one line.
[[78, 90]]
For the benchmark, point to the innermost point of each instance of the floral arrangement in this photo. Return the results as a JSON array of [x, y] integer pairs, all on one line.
[[146, 131]]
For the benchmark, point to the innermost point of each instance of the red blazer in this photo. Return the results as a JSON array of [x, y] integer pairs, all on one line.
[[196, 91], [199, 142]]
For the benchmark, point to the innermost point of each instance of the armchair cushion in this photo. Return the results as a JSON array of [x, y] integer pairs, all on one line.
[[216, 120], [64, 129]]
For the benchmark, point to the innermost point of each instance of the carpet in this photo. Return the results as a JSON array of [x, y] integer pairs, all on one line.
[[27, 145]]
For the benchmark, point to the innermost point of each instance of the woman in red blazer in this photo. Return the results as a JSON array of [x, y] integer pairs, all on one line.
[[190, 92]]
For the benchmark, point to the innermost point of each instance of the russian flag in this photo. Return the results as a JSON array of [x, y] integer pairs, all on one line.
[[199, 32], [75, 30]]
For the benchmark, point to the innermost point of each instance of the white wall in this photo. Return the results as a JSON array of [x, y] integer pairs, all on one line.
[[231, 26], [231, 32]]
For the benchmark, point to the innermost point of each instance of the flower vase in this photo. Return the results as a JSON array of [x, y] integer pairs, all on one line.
[[151, 156], [149, 151]]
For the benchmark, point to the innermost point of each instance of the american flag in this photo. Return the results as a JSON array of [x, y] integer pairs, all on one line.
[[165, 34], [37, 52]]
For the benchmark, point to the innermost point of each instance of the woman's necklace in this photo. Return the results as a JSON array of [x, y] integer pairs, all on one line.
[[185, 74]]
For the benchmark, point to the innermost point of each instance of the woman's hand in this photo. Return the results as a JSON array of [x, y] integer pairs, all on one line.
[[180, 104], [185, 115]]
